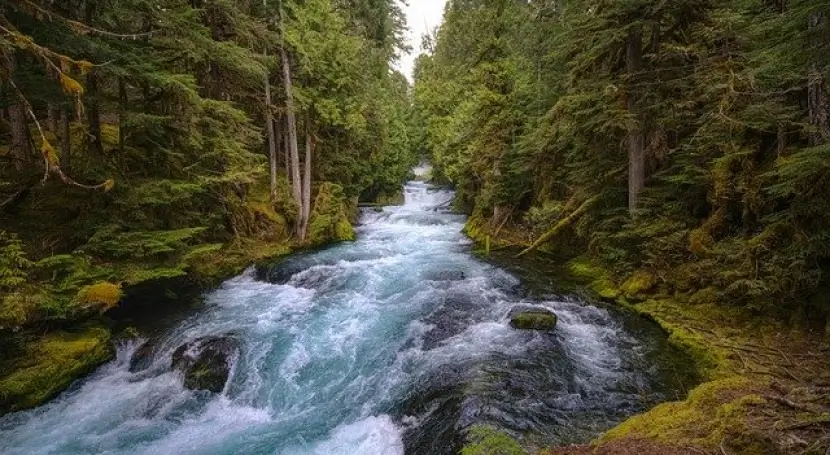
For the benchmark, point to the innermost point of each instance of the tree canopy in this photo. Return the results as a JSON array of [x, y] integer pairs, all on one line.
[[136, 135], [686, 140]]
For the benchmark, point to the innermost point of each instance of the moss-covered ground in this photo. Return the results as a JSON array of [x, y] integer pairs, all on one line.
[[50, 363]]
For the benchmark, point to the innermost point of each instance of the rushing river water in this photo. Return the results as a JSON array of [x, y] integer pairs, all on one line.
[[393, 344]]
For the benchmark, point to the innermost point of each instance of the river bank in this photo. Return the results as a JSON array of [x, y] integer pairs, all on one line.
[[765, 389], [399, 342], [39, 363]]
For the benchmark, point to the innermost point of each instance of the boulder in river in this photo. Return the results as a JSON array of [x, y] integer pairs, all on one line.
[[206, 362], [446, 275], [532, 318], [142, 357]]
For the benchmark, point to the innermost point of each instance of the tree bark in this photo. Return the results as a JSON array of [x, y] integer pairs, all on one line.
[[93, 115], [286, 155], [817, 106], [272, 139], [291, 120], [66, 149], [558, 227], [52, 116], [20, 149], [636, 137], [309, 147]]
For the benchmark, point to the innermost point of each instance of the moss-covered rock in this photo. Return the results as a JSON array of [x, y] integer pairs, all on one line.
[[50, 364], [486, 440], [329, 220], [206, 362], [523, 318], [101, 296], [142, 357]]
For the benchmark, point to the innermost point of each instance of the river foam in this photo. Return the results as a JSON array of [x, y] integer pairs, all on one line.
[[392, 344]]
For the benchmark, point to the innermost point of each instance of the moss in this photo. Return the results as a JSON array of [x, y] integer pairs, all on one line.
[[330, 217], [705, 296], [597, 278], [478, 229], [534, 320], [50, 364], [639, 283], [713, 415], [393, 198], [678, 319], [486, 440], [101, 296], [231, 259]]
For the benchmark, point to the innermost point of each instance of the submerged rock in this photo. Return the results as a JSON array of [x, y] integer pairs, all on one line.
[[142, 357], [446, 275], [206, 362], [532, 318]]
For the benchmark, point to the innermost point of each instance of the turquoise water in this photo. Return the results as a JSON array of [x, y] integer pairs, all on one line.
[[392, 344]]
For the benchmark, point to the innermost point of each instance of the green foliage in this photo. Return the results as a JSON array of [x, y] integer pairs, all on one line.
[[178, 108], [329, 217], [13, 262], [527, 106]]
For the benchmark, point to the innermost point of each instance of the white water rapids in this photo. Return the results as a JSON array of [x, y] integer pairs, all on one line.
[[395, 343]]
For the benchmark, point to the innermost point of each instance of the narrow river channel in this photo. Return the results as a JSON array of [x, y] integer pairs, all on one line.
[[396, 343]]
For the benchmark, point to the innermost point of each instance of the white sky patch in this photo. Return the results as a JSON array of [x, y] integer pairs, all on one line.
[[421, 17]]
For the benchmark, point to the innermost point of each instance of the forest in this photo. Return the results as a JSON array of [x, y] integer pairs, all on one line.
[[677, 155], [145, 140], [686, 143], [671, 159]]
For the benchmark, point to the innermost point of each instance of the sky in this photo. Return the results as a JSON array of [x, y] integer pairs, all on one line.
[[421, 16]]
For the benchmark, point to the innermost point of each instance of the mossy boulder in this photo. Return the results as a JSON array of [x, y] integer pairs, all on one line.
[[101, 296], [206, 362], [49, 365], [532, 318]]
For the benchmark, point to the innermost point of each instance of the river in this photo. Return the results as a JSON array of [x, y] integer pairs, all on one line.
[[392, 344]]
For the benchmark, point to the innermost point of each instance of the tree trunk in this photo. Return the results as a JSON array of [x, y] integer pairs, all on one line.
[[93, 115], [19, 149], [309, 147], [291, 120], [286, 155], [636, 137], [66, 149], [52, 115], [559, 226], [272, 139], [817, 105]]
